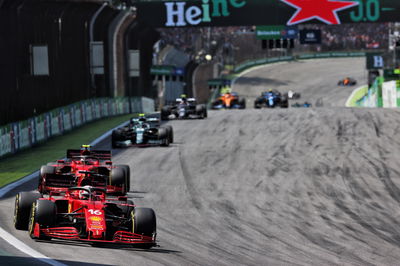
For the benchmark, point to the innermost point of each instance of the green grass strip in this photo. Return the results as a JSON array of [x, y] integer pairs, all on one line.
[[23, 163]]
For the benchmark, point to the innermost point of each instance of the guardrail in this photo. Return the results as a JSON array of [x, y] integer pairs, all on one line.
[[252, 63], [24, 134]]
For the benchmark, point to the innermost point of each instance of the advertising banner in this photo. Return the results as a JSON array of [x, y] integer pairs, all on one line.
[[310, 36], [208, 13], [389, 94], [375, 61]]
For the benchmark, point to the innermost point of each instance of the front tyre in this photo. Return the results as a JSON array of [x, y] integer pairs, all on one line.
[[43, 214], [23, 204], [170, 133], [144, 223]]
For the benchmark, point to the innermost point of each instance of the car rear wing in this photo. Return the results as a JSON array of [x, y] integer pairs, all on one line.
[[188, 99], [61, 181], [99, 154], [150, 120]]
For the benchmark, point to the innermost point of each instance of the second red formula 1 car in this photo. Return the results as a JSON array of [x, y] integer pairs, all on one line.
[[85, 167]]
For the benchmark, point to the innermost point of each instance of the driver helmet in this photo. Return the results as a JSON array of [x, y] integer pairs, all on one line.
[[142, 118], [269, 90], [184, 98], [85, 150], [84, 195]]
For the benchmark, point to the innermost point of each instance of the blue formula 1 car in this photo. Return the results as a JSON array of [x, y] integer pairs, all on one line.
[[271, 99], [298, 105], [141, 132]]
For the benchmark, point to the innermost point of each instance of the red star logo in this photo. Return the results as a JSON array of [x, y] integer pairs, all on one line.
[[323, 10]]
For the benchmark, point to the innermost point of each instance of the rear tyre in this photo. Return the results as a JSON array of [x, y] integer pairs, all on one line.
[[118, 178], [165, 112], [23, 204], [47, 169], [43, 213], [127, 172], [44, 171], [284, 102], [201, 111], [242, 104], [114, 138]]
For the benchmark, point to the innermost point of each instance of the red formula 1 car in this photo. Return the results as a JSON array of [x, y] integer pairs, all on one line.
[[85, 167], [85, 214]]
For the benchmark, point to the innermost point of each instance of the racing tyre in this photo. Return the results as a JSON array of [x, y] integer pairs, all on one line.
[[47, 169], [284, 102], [201, 110], [114, 138], [170, 132], [144, 223], [163, 135], [23, 204], [43, 213], [118, 177], [51, 163], [165, 112], [127, 172], [242, 104]]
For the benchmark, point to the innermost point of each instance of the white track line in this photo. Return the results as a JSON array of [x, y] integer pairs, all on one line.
[[26, 249], [19, 244]]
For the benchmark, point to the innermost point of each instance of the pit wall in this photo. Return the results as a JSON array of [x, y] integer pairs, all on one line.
[[24, 134], [382, 93]]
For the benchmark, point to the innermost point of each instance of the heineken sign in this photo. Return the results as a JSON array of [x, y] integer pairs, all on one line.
[[264, 12], [182, 14]]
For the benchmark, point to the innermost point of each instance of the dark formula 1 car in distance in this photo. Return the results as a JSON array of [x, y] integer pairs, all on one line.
[[184, 108], [84, 214], [271, 99], [85, 167], [141, 132], [299, 105], [229, 100], [347, 82]]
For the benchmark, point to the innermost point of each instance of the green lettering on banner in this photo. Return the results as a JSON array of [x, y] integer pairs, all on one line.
[[206, 11], [238, 4], [224, 6], [269, 32]]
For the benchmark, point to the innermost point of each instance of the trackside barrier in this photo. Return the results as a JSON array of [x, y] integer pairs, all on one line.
[[374, 96], [252, 63], [20, 135]]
